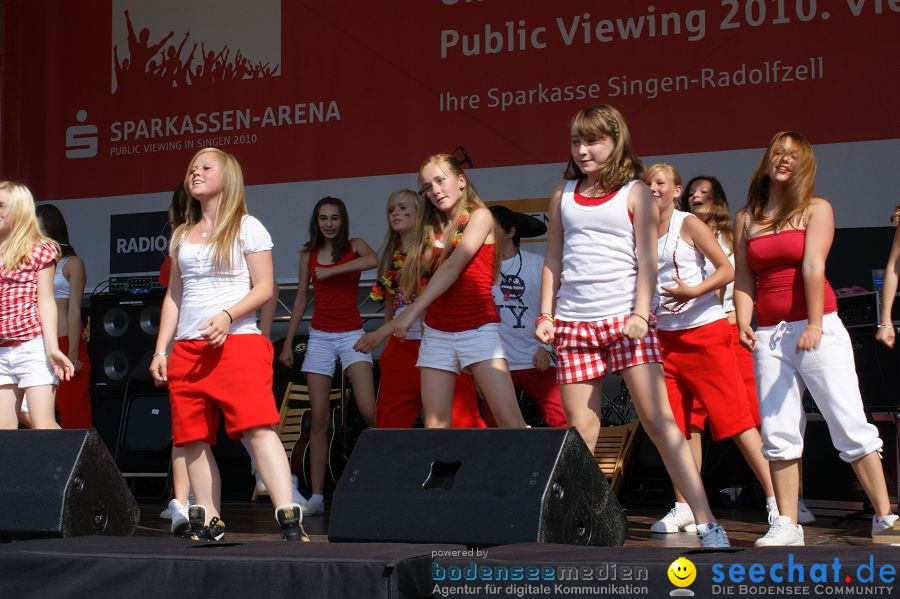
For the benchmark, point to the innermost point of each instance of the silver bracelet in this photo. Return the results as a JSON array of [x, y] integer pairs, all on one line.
[[160, 354], [884, 326]]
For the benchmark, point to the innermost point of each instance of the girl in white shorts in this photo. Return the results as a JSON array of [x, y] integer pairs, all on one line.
[[452, 264], [334, 262], [30, 358]]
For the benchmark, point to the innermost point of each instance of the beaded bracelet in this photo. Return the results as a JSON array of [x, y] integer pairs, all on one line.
[[544, 316]]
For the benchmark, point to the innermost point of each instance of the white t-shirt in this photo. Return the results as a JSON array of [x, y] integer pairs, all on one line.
[[207, 292], [517, 295]]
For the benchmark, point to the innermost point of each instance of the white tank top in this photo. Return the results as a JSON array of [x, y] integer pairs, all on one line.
[[676, 257], [61, 289], [599, 260], [728, 296]]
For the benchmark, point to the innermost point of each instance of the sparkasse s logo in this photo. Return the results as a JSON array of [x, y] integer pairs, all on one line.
[[81, 140]]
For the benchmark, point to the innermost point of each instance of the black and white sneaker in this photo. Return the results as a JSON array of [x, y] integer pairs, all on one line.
[[199, 530], [289, 518]]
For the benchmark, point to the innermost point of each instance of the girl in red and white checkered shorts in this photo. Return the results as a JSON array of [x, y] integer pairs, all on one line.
[[30, 358], [601, 260]]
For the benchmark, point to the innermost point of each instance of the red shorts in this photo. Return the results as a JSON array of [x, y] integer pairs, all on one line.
[[236, 377], [589, 350], [542, 389], [702, 380], [400, 390], [73, 397]]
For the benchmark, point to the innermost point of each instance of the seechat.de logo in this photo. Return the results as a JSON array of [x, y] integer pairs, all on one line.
[[81, 140]]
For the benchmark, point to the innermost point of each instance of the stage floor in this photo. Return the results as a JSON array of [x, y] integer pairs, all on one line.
[[254, 562], [254, 521]]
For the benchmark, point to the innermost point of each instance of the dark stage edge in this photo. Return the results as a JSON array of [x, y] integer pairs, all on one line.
[[99, 567]]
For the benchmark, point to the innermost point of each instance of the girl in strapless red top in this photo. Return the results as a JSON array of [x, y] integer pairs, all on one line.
[[782, 239]]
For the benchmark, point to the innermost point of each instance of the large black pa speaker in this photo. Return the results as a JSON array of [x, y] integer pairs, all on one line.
[[56, 483], [878, 369], [123, 334], [476, 487]]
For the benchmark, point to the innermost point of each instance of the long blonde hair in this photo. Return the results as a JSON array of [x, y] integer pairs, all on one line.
[[799, 190], [230, 212], [23, 231], [432, 224], [392, 239]]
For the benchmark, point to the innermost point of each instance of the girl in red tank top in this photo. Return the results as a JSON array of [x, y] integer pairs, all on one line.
[[451, 265], [782, 239], [334, 262]]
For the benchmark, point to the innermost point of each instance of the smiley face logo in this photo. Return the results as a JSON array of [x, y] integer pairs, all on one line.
[[682, 572]]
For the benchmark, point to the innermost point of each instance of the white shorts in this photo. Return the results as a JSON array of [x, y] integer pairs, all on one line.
[[456, 351], [26, 365], [324, 349]]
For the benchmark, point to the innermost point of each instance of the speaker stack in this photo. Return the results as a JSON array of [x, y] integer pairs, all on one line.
[[476, 487], [123, 334]]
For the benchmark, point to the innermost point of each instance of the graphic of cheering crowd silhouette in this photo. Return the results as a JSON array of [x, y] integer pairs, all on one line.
[[153, 65]]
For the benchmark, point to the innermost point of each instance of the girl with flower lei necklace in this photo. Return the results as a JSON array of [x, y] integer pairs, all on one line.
[[399, 393], [451, 265]]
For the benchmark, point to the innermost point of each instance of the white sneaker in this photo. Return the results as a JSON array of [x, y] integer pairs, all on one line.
[[886, 529], [783, 532], [679, 519], [313, 507], [804, 516], [772, 510], [260, 485], [298, 496], [713, 535], [178, 513]]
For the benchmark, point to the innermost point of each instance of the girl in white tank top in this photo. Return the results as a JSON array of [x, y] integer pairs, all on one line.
[[693, 327], [601, 259]]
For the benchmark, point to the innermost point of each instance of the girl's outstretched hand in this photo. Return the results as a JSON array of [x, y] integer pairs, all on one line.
[[748, 338], [62, 366], [886, 335], [215, 330], [544, 332], [635, 327], [159, 370]]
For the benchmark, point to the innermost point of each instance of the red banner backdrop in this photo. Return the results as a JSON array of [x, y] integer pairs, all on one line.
[[313, 90]]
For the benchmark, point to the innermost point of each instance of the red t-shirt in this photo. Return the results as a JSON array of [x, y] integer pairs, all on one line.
[[335, 309]]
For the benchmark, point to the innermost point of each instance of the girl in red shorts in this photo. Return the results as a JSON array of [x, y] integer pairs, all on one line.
[[30, 358], [601, 260], [451, 265], [399, 390], [73, 397], [334, 262], [221, 274], [702, 377]]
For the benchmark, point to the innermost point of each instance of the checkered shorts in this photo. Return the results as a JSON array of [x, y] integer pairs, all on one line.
[[589, 350]]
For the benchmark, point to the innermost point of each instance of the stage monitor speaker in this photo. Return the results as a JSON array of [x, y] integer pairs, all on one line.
[[878, 369], [123, 334], [828, 480], [476, 487], [61, 483]]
